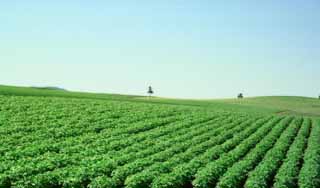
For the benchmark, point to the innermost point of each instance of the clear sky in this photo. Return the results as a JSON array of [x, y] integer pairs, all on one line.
[[185, 49]]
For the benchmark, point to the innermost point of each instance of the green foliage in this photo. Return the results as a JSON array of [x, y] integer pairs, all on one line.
[[287, 175], [282, 105], [309, 176], [262, 175], [158, 168], [54, 138], [237, 174], [210, 174]]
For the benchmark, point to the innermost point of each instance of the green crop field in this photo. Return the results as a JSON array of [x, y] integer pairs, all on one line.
[[54, 138]]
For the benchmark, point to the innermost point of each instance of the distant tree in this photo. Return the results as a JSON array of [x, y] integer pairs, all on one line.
[[150, 91], [319, 96], [240, 96]]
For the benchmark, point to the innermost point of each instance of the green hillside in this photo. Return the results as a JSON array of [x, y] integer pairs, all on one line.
[[60, 139], [282, 105], [51, 92]]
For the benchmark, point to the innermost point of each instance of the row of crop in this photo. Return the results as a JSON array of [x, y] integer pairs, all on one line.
[[237, 174], [105, 161], [48, 145], [121, 173], [309, 176], [70, 126], [30, 168], [146, 177], [64, 171], [36, 111], [23, 160], [264, 173], [289, 170], [210, 174], [52, 135], [77, 125], [59, 147], [145, 149], [184, 173], [85, 110], [139, 151], [37, 148]]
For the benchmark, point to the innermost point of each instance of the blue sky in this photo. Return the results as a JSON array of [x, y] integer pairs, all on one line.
[[184, 49]]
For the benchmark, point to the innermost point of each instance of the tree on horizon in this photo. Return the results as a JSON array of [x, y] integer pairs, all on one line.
[[150, 91]]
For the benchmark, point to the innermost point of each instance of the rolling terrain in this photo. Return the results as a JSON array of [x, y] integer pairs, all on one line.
[[56, 138], [289, 105]]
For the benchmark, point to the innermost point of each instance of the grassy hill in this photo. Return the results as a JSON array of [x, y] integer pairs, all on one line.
[[50, 92], [63, 139], [283, 105]]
